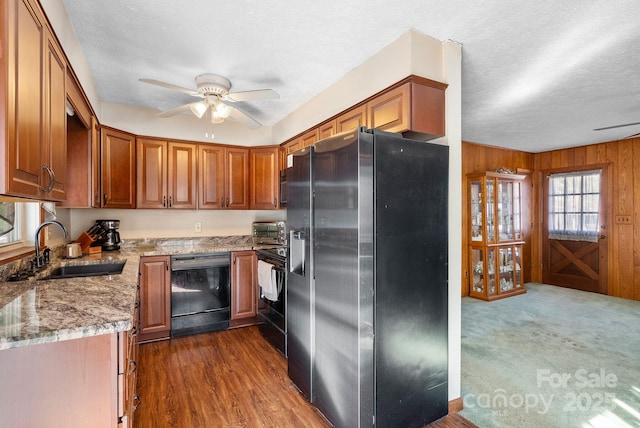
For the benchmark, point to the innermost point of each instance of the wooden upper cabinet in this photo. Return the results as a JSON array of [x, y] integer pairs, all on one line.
[[413, 108], [237, 178], [118, 169], [265, 178], [211, 159], [55, 71], [287, 149], [327, 130], [309, 138], [34, 150], [151, 161], [390, 111], [352, 119], [96, 165], [223, 176], [83, 150], [166, 174], [181, 175]]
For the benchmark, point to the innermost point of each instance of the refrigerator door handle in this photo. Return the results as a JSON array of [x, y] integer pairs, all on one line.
[[297, 252]]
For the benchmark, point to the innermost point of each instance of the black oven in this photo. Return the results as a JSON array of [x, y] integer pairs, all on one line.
[[272, 320], [200, 293]]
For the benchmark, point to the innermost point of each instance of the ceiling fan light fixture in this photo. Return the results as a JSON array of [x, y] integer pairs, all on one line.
[[199, 109], [222, 110], [216, 119]]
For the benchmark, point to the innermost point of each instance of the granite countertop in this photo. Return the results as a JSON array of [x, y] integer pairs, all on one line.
[[40, 311]]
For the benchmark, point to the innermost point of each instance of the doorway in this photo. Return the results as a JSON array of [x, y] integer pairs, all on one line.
[[574, 228]]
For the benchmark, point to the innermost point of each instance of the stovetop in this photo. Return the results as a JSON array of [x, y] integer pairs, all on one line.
[[277, 253]]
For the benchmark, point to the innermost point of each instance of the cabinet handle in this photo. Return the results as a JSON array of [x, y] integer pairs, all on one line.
[[52, 179], [104, 198], [166, 265], [137, 400], [227, 202], [275, 202], [222, 202], [170, 201], [133, 365], [164, 202]]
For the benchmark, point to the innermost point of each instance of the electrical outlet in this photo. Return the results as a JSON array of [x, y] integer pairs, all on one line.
[[197, 227], [623, 219]]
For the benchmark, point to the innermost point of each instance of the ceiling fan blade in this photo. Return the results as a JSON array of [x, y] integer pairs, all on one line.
[[243, 118], [258, 94], [175, 111], [191, 92], [637, 134], [617, 126]]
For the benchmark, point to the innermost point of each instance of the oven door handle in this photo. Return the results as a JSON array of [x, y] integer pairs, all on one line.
[[189, 263]]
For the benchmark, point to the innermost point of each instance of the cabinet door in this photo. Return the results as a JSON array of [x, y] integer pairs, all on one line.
[[25, 116], [151, 161], [118, 169], [352, 119], [96, 166], [181, 175], [237, 178], [265, 178], [155, 298], [309, 138], [55, 140], [211, 176], [390, 111], [327, 130], [244, 287], [289, 148]]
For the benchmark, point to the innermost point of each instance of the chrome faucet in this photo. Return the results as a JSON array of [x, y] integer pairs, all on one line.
[[39, 260]]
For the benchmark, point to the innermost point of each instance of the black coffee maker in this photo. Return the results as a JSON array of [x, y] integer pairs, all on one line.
[[110, 236]]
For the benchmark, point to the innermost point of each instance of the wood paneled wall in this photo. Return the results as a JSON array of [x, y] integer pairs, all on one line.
[[479, 158], [623, 158]]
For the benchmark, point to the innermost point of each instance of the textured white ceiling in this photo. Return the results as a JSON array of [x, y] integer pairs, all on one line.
[[536, 75]]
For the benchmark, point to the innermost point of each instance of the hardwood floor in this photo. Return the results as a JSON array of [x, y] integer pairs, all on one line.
[[231, 378]]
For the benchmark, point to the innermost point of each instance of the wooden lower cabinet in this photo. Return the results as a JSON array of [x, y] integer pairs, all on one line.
[[244, 287], [155, 298], [68, 384]]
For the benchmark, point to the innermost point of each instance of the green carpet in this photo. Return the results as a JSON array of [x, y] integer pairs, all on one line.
[[553, 357]]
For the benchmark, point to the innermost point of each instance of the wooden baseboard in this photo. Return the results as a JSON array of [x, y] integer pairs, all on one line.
[[455, 405]]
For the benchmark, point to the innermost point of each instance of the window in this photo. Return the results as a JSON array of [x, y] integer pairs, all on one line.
[[16, 219], [574, 202]]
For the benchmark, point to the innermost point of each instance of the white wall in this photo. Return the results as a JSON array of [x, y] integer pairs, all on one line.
[[140, 223], [452, 63], [411, 53]]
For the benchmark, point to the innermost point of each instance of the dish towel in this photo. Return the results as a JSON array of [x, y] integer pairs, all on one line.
[[267, 280]]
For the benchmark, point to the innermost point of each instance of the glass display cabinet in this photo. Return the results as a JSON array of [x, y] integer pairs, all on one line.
[[495, 235]]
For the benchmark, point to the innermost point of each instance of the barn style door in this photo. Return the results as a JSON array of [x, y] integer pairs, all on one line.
[[575, 229]]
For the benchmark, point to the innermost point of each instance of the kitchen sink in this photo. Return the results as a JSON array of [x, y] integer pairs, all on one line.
[[74, 271]]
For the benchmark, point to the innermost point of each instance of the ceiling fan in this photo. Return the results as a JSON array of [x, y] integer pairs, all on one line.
[[217, 101], [621, 126]]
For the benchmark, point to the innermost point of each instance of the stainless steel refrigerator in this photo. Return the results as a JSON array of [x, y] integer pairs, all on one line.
[[367, 285]]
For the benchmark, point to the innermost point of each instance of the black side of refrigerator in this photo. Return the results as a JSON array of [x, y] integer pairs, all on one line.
[[299, 277], [410, 346]]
